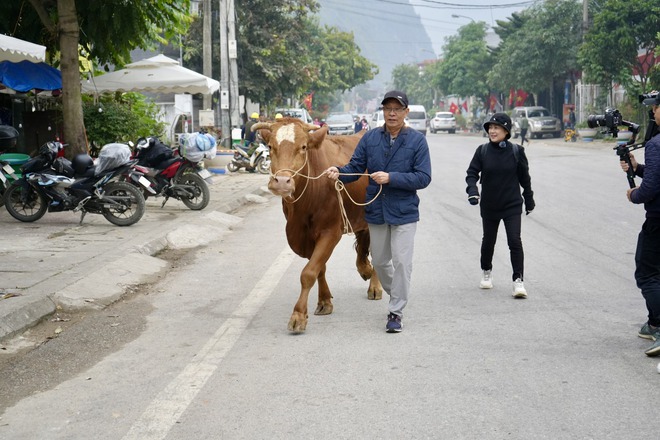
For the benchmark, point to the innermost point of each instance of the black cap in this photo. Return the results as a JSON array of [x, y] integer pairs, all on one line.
[[650, 99], [399, 96], [501, 119]]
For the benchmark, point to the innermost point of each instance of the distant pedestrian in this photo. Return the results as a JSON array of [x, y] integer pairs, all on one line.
[[571, 119], [524, 125]]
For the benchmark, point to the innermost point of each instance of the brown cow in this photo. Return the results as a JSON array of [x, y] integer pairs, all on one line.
[[300, 153]]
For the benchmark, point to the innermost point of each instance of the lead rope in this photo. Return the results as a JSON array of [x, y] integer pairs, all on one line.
[[339, 187]]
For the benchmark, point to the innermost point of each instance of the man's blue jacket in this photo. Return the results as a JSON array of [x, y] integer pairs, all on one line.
[[409, 165], [648, 192]]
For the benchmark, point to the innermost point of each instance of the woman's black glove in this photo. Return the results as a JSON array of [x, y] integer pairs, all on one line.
[[474, 200]]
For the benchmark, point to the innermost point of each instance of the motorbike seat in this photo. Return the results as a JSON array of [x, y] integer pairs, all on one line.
[[166, 163]]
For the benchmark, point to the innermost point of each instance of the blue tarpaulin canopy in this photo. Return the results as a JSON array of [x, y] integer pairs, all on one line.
[[25, 76]]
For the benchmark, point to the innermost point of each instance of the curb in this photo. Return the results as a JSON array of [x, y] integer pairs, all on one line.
[[109, 283]]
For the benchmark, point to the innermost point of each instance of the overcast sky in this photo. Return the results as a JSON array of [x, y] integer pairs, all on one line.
[[439, 23]]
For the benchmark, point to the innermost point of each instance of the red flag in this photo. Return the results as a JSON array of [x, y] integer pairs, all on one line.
[[453, 108], [521, 97], [307, 101], [492, 102], [465, 106]]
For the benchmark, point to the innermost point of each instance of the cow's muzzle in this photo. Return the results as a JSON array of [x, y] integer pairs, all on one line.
[[282, 185]]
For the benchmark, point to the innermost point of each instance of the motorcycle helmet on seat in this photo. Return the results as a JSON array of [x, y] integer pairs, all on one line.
[[82, 163]]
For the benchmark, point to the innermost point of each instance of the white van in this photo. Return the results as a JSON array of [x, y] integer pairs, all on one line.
[[417, 118]]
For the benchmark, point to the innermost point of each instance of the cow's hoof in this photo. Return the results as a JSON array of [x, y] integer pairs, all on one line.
[[324, 309], [297, 323], [374, 294]]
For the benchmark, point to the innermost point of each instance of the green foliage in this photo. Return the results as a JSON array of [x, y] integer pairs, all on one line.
[[465, 64], [284, 53], [619, 30], [124, 117], [416, 81], [110, 29], [538, 47]]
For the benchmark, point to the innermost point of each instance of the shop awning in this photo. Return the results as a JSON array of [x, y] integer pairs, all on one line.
[[25, 76]]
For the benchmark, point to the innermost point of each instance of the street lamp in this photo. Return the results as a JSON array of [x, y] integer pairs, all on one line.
[[463, 16]]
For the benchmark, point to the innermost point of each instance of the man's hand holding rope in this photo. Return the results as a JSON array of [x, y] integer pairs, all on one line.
[[380, 177]]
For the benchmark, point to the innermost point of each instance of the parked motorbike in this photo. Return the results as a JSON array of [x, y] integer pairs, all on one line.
[[55, 184], [173, 174], [259, 160]]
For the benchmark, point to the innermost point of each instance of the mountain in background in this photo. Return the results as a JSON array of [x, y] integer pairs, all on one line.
[[388, 32]]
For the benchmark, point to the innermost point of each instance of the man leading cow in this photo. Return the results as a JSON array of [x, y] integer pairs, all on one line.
[[397, 158]]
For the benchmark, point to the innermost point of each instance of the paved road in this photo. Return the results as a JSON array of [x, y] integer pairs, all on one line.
[[55, 261], [213, 358]]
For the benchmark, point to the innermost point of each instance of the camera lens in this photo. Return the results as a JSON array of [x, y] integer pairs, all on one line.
[[594, 121]]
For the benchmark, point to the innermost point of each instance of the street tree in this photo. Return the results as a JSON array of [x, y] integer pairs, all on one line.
[[465, 64], [106, 30], [416, 81], [621, 43], [542, 52]]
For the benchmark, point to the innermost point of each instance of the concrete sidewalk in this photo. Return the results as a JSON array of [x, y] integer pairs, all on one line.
[[56, 262]]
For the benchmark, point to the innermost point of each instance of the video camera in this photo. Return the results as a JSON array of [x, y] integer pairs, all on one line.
[[612, 120]]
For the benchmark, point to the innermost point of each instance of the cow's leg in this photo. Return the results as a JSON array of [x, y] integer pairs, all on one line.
[[311, 272], [324, 306], [364, 267]]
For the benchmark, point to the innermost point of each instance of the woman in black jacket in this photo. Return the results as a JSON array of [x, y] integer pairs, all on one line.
[[502, 169]]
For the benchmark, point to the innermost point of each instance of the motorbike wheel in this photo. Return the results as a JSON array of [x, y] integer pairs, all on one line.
[[25, 208], [263, 165], [3, 189], [131, 200], [201, 192], [232, 167]]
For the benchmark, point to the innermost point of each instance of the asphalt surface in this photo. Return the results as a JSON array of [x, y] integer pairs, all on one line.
[[57, 263]]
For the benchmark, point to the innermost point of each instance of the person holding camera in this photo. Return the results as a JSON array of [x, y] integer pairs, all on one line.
[[502, 169], [647, 255]]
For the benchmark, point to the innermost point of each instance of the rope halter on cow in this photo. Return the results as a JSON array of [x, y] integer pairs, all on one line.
[[339, 185]]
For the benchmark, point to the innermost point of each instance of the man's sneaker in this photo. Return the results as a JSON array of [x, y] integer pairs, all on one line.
[[646, 332], [393, 323], [486, 280], [519, 289], [654, 350]]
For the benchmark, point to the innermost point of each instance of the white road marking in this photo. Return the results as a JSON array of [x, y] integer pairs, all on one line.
[[165, 410]]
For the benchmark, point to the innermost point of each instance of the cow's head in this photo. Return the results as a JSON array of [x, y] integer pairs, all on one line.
[[289, 140]]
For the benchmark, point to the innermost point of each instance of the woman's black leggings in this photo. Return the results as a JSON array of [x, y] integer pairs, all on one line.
[[512, 227]]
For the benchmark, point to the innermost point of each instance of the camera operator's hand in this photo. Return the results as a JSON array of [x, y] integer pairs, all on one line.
[[629, 193], [633, 161], [474, 200]]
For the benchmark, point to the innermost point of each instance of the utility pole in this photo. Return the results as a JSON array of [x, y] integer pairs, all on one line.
[[224, 73], [234, 105], [206, 35], [229, 111]]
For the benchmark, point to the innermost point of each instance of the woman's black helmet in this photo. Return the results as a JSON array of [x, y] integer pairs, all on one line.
[[501, 119]]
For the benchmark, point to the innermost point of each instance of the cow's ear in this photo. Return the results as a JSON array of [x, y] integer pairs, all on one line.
[[317, 136]]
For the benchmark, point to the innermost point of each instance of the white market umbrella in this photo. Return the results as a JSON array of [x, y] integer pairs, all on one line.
[[15, 50], [158, 74]]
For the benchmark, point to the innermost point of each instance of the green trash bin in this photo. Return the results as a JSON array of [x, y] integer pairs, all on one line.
[[16, 160]]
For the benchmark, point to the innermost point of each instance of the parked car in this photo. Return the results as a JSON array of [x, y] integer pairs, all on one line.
[[299, 113], [417, 118], [340, 123], [540, 120], [443, 121], [377, 119]]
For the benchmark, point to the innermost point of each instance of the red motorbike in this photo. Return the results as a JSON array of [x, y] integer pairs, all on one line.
[[172, 175]]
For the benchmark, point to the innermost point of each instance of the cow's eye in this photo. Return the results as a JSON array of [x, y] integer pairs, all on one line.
[[304, 148]]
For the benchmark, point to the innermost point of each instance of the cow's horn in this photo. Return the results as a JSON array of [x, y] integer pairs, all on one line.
[[261, 126], [310, 127]]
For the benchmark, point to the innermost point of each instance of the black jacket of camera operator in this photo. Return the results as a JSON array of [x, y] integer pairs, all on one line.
[[648, 192]]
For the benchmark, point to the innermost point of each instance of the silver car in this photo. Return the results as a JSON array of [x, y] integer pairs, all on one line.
[[540, 121], [340, 123], [443, 121]]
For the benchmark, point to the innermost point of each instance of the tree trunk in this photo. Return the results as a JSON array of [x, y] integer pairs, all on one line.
[[74, 127]]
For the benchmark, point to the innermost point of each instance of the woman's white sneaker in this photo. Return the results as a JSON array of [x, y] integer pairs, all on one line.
[[519, 289], [486, 280]]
